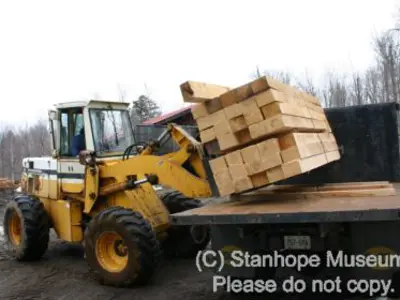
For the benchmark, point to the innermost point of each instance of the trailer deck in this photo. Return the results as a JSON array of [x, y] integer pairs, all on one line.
[[347, 202]]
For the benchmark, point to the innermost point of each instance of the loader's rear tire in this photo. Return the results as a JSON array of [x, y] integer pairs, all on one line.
[[121, 247], [26, 228], [183, 241]]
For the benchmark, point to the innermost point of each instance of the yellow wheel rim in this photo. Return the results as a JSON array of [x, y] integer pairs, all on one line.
[[14, 230], [111, 252]]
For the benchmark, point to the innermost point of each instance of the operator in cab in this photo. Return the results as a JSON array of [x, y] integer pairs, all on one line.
[[78, 142]]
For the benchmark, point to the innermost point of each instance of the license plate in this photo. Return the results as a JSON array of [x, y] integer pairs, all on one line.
[[297, 242]]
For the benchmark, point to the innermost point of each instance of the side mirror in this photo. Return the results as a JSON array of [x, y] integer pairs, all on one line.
[[53, 115]]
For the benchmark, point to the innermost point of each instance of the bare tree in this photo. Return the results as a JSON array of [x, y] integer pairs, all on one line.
[[121, 93], [147, 90], [283, 76], [373, 88], [357, 90], [335, 92], [257, 73], [387, 49], [18, 143], [42, 138], [307, 85]]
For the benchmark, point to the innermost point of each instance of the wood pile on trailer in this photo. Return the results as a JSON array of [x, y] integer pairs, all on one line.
[[7, 184], [286, 201], [345, 190], [260, 133]]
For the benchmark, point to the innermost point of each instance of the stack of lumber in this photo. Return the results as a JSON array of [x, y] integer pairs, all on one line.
[[6, 183], [262, 132]]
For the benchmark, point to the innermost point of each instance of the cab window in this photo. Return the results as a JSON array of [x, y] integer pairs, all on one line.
[[72, 134]]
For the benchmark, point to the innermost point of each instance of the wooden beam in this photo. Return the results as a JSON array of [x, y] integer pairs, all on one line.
[[327, 187], [390, 191], [200, 92]]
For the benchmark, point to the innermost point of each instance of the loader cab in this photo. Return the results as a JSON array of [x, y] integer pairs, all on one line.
[[99, 126], [67, 128]]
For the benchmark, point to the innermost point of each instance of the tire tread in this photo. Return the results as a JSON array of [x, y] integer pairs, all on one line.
[[139, 231]]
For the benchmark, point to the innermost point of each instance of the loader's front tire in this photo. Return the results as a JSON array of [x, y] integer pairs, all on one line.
[[26, 228], [183, 241], [121, 247]]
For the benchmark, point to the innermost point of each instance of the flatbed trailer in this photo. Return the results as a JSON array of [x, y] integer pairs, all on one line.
[[353, 209], [309, 207]]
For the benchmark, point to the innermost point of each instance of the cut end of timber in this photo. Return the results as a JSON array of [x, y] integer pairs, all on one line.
[[200, 92]]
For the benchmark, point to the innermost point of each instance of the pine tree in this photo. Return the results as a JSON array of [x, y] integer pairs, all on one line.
[[144, 109]]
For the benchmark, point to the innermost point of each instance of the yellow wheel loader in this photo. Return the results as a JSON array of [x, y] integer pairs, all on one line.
[[97, 189]]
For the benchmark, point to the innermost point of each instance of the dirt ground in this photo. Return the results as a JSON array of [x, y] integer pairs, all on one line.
[[63, 274]]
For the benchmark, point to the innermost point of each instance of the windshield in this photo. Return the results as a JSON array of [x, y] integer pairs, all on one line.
[[112, 131]]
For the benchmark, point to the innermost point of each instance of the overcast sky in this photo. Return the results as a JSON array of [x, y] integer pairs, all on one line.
[[58, 51]]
